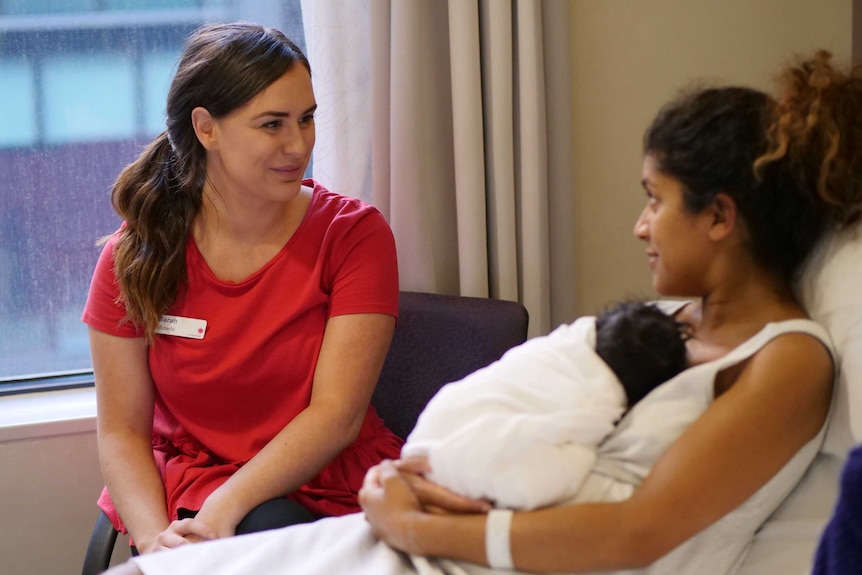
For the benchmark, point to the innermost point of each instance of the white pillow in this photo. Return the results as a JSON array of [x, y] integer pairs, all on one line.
[[831, 290]]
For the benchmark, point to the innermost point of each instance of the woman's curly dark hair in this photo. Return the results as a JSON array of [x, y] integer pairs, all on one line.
[[791, 165]]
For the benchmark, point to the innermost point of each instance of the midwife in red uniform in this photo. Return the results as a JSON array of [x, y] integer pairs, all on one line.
[[240, 316]]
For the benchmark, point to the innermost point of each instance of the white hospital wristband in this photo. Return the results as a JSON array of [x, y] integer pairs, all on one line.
[[497, 527]]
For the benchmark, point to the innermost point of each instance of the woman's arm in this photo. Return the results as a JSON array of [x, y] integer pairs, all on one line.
[[351, 357], [777, 404], [124, 392]]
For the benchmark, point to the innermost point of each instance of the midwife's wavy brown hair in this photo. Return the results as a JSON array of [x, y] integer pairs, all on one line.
[[791, 164], [158, 196]]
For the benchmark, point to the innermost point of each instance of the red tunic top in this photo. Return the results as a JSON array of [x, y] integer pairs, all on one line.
[[220, 399]]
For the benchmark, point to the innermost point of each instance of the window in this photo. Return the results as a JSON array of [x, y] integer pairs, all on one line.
[[84, 85]]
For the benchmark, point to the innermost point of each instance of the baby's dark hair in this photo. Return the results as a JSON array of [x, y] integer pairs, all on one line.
[[642, 345]]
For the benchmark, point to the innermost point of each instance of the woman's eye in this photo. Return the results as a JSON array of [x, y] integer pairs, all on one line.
[[651, 199], [273, 124], [305, 120]]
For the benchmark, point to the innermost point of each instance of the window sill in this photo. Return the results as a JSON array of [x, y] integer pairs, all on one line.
[[45, 414]]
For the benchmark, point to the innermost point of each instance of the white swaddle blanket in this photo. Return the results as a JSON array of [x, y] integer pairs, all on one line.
[[522, 431]]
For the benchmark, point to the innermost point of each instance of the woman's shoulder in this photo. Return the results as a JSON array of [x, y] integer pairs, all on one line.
[[335, 217], [786, 338], [326, 201], [794, 342], [797, 350], [775, 346], [806, 326]]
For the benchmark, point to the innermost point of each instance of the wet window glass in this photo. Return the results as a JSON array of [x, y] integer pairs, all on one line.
[[83, 89]]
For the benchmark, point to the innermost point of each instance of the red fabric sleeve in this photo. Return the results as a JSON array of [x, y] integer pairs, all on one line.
[[363, 266], [102, 311]]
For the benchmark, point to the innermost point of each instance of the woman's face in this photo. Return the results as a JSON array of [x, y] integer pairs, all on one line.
[[261, 150], [678, 247]]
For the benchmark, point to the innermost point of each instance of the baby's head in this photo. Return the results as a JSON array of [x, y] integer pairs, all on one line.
[[642, 345]]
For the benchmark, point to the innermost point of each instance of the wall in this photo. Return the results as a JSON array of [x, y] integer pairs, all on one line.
[[629, 57], [49, 482]]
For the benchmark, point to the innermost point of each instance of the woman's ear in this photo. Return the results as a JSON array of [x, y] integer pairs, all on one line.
[[724, 212], [204, 126]]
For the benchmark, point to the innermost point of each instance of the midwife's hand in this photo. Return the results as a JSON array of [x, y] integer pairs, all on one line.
[[435, 498], [218, 513], [179, 533], [390, 506]]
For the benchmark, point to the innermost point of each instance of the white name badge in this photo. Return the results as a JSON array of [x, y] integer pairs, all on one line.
[[182, 326]]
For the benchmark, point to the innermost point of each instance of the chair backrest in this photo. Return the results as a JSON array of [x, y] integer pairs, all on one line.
[[439, 339]]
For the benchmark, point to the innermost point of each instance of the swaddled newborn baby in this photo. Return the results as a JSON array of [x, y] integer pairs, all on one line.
[[522, 431]]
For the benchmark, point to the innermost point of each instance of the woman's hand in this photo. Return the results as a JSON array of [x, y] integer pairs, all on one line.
[[390, 506], [222, 512], [435, 498], [394, 495], [178, 533]]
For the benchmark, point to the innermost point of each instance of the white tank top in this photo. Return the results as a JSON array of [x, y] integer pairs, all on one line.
[[645, 433], [651, 426]]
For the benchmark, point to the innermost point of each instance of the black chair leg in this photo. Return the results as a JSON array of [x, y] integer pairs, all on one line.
[[101, 546]]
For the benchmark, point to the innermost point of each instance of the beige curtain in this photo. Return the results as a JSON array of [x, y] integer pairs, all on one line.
[[468, 143]]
